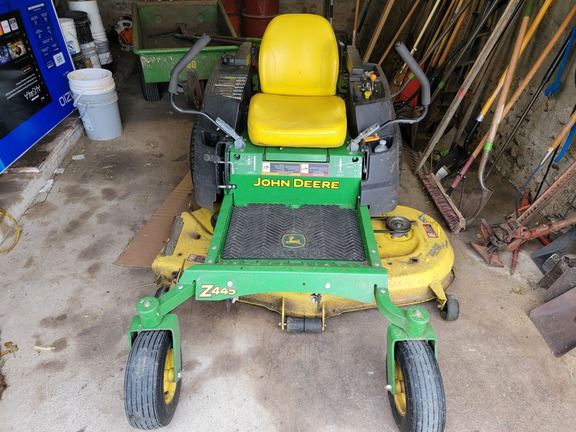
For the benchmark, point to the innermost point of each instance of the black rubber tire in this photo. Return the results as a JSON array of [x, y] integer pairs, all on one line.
[[161, 291], [425, 402], [214, 218], [192, 152], [400, 160], [451, 309], [150, 91], [144, 401]]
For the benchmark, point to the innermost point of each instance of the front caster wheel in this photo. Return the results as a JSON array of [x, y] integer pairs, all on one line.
[[150, 393], [419, 404], [451, 309]]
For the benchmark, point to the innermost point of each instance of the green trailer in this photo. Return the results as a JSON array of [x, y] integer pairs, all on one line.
[[154, 26]]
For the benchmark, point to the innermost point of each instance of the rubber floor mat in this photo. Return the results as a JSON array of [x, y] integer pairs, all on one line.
[[311, 232]]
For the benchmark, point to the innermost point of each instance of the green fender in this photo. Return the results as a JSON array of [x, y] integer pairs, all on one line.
[[410, 324]]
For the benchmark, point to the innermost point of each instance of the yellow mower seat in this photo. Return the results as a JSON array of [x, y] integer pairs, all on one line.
[[298, 71]]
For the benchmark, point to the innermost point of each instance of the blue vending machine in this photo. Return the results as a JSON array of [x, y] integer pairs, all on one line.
[[34, 62]]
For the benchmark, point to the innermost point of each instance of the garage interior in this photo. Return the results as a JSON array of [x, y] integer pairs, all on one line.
[[83, 219]]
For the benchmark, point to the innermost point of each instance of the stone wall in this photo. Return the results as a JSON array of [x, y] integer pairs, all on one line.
[[546, 118]]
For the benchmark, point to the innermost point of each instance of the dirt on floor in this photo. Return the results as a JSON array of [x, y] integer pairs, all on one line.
[[68, 307]]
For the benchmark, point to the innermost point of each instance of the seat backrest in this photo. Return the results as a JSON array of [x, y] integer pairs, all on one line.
[[299, 56]]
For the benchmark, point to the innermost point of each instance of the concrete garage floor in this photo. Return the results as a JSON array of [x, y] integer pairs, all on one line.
[[241, 373]]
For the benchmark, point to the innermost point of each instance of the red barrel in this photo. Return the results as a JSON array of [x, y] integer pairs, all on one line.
[[231, 8], [257, 14]]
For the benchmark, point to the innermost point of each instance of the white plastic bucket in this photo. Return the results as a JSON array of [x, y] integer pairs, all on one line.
[[91, 8], [91, 57], [94, 93], [70, 37], [104, 54]]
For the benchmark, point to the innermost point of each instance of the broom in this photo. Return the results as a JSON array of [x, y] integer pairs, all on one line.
[[441, 197], [452, 216]]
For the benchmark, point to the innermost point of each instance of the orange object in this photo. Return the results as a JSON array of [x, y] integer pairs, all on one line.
[[125, 36], [410, 89]]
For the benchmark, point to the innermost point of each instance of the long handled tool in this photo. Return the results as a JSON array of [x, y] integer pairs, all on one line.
[[456, 55], [530, 33], [398, 77], [457, 153], [565, 131], [486, 193], [355, 25], [444, 18], [554, 87], [436, 40], [442, 199], [378, 30], [430, 51], [468, 44], [446, 49], [474, 70], [449, 211], [552, 149], [551, 69], [521, 87], [400, 29]]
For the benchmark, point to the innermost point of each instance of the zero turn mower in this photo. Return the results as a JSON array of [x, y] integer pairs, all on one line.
[[297, 179]]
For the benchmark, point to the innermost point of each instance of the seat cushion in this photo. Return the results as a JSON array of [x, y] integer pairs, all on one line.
[[297, 121], [299, 56]]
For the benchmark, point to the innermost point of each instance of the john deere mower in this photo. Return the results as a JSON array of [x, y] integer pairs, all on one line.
[[295, 161]]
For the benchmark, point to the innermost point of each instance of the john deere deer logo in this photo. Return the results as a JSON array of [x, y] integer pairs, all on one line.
[[293, 241]]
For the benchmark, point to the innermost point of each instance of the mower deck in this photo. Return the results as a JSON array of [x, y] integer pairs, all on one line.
[[419, 263]]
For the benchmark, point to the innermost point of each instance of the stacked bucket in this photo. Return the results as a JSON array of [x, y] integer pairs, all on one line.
[[84, 38], [72, 40], [96, 27], [92, 85], [90, 34]]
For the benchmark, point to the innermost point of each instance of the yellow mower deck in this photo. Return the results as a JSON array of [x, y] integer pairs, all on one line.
[[419, 265]]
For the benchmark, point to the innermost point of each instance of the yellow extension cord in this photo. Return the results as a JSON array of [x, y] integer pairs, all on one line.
[[3, 214]]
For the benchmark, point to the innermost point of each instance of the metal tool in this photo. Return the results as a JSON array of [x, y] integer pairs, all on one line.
[[508, 236], [486, 192]]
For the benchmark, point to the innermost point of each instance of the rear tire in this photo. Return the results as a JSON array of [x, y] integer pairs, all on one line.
[[192, 152], [419, 404], [150, 395], [150, 91]]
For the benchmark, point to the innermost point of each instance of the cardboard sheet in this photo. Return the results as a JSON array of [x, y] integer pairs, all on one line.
[[150, 240]]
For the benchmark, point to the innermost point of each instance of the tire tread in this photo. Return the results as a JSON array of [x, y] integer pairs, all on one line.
[[426, 404], [143, 387]]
